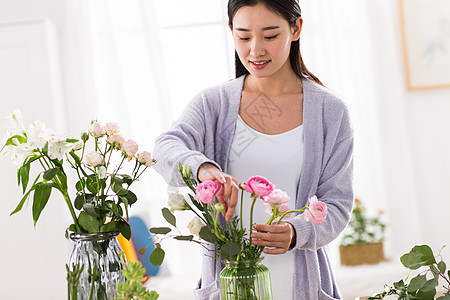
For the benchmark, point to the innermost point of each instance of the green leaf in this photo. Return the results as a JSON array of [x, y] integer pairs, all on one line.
[[71, 140], [170, 218], [430, 285], [45, 149], [79, 186], [110, 226], [442, 267], [24, 175], [157, 256], [425, 295], [92, 185], [124, 229], [184, 237], [419, 256], [207, 234], [131, 197], [417, 283], [40, 199], [19, 138], [49, 174], [116, 186], [160, 230], [79, 201], [230, 249], [400, 285], [88, 222], [90, 209], [24, 198]]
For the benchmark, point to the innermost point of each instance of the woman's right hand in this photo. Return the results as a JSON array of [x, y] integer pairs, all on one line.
[[228, 196]]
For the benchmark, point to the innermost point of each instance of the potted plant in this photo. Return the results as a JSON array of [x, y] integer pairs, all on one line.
[[244, 276], [362, 241], [98, 207]]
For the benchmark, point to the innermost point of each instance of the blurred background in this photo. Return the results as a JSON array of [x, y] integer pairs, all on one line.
[[139, 62]]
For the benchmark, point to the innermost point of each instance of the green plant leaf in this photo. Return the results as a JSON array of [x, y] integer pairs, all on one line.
[[40, 199], [419, 256], [124, 229], [131, 197], [430, 285], [25, 197], [207, 234], [88, 222], [50, 173], [417, 283], [92, 185], [79, 201], [24, 174], [426, 294], [157, 256], [116, 186], [110, 226], [20, 139], [160, 230], [230, 249], [442, 267], [89, 208], [184, 237], [45, 149], [79, 186], [170, 218]]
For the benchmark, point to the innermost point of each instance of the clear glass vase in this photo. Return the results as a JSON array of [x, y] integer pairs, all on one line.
[[102, 269], [245, 280]]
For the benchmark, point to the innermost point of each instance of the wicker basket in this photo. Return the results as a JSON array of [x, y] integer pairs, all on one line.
[[353, 255]]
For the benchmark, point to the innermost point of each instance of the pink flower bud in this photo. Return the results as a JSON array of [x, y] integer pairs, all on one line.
[[277, 196], [97, 129], [145, 158]]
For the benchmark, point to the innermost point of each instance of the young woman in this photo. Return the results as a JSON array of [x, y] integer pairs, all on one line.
[[275, 120]]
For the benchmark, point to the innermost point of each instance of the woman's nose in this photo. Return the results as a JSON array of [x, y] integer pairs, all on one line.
[[257, 48]]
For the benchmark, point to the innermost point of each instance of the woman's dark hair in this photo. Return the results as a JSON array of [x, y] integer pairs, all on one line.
[[290, 11]]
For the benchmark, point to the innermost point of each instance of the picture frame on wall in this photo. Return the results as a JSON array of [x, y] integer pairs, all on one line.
[[426, 43]]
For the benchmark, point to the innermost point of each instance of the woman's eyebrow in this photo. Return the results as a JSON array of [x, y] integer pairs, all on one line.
[[263, 29]]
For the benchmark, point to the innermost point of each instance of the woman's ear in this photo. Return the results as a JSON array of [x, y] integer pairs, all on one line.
[[297, 29], [230, 26]]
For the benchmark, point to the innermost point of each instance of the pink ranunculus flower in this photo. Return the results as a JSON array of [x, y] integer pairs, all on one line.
[[145, 158], [258, 185], [116, 140], [94, 159], [317, 211], [268, 208], [276, 197], [97, 129], [205, 191], [111, 128], [130, 148]]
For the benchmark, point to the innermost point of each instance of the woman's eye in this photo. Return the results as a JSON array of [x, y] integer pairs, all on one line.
[[244, 39], [271, 37]]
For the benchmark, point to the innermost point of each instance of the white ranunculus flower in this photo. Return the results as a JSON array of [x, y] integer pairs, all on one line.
[[38, 135], [195, 225], [59, 147], [177, 202]]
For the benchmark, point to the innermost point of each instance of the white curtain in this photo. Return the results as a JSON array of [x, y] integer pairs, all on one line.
[[150, 57]]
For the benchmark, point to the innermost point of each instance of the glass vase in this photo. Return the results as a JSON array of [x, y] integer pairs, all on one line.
[[102, 269], [245, 280]]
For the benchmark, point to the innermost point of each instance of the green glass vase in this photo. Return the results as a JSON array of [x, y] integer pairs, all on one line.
[[245, 280]]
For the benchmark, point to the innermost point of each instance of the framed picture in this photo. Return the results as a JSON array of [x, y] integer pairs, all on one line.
[[426, 43]]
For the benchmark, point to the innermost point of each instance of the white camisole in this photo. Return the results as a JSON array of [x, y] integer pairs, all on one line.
[[278, 158]]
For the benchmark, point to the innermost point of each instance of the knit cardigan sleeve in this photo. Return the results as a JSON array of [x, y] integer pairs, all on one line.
[[183, 143], [330, 175]]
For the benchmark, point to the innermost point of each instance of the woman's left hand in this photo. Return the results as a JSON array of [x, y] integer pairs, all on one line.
[[275, 238]]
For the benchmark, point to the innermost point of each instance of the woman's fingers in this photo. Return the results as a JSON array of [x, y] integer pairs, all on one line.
[[233, 199], [276, 237]]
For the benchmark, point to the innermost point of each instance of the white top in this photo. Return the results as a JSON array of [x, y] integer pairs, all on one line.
[[278, 158]]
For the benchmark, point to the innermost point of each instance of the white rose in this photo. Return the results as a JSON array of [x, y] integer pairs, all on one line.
[[177, 202], [195, 225], [94, 158], [111, 128], [97, 129]]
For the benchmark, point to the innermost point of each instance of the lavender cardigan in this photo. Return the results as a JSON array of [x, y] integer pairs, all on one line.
[[204, 133]]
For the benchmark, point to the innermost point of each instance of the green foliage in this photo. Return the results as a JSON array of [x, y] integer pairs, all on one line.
[[103, 194], [363, 229], [132, 288], [423, 286], [73, 278]]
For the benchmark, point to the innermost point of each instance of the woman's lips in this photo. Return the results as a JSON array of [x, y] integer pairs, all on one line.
[[259, 64]]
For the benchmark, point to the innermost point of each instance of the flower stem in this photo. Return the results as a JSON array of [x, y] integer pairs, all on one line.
[[242, 207], [251, 218], [291, 211], [72, 211]]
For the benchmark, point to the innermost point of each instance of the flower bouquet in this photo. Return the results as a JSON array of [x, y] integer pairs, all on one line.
[[99, 209], [230, 241]]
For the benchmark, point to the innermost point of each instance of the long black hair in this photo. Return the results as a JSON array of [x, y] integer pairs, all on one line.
[[290, 11]]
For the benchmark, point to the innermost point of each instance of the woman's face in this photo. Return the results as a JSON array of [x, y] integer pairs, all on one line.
[[263, 39]]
